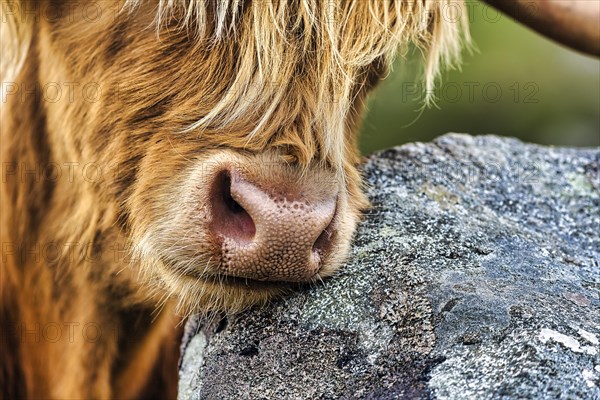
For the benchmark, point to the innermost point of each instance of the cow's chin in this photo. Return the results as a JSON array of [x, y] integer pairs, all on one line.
[[197, 282], [201, 293], [200, 290]]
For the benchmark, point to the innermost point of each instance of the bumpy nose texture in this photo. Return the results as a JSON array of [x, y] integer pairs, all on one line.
[[268, 234]]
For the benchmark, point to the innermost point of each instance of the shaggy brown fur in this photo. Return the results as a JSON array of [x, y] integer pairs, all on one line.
[[111, 114]]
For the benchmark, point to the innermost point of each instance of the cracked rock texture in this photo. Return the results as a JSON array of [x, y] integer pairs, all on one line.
[[474, 276]]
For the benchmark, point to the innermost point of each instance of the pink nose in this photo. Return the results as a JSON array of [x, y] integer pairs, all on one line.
[[274, 233]]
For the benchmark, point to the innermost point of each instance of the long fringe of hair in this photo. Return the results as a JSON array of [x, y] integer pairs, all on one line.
[[334, 39], [338, 39]]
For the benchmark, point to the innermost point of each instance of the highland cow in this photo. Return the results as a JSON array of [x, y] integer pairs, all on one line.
[[163, 158]]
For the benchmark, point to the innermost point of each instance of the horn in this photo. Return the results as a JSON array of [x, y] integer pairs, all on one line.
[[575, 24]]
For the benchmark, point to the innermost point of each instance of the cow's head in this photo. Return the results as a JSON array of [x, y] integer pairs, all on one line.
[[230, 127]]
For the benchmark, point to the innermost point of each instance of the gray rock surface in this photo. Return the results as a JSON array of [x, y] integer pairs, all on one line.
[[474, 276]]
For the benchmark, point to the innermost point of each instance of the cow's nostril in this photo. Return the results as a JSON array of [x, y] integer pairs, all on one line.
[[232, 205], [230, 219], [323, 242]]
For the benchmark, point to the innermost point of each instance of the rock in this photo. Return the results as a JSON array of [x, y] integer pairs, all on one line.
[[474, 276]]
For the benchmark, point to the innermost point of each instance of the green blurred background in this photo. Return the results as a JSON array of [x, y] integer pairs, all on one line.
[[515, 83]]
